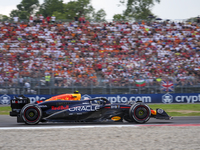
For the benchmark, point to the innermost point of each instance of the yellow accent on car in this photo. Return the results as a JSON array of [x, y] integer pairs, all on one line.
[[153, 112], [116, 118]]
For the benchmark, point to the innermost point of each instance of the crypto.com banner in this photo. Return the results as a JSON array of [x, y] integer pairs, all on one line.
[[122, 98]]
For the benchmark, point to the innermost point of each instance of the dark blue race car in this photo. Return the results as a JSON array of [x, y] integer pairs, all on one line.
[[97, 109]]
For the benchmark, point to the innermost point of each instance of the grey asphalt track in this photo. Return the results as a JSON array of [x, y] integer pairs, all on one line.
[[7, 121]]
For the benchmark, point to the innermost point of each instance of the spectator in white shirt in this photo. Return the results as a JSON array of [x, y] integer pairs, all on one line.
[[53, 19], [16, 19]]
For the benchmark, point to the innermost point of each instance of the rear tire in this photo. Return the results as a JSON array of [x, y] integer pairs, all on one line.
[[140, 112], [31, 114]]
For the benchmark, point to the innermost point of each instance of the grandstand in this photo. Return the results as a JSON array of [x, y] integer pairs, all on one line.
[[99, 58]]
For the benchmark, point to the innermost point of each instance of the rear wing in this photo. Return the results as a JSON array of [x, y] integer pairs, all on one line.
[[17, 103]]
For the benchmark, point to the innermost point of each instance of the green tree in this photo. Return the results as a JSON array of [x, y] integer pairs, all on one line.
[[118, 17], [59, 15], [51, 6], [20, 14], [139, 9], [99, 15], [28, 5], [25, 9], [3, 17], [79, 8], [75, 8], [71, 9], [85, 8]]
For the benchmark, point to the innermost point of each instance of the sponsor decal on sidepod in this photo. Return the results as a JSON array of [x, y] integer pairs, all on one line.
[[84, 108], [59, 107]]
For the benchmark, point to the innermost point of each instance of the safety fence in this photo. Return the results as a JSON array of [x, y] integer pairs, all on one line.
[[56, 86]]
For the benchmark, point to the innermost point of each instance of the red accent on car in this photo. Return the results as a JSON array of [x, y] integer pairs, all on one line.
[[107, 107], [124, 107]]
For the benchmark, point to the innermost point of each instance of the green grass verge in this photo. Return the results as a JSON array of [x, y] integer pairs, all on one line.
[[5, 110], [171, 109], [179, 109]]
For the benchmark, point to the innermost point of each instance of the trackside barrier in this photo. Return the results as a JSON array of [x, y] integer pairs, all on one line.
[[122, 98]]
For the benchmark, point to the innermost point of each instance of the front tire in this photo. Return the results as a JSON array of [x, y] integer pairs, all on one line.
[[31, 114], [140, 112]]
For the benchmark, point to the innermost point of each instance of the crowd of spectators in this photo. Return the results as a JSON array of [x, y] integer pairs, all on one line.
[[88, 53]]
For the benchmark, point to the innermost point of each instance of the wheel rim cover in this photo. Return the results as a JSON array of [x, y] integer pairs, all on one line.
[[31, 114]]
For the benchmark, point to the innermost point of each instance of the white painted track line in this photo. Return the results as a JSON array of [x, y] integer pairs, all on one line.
[[66, 127]]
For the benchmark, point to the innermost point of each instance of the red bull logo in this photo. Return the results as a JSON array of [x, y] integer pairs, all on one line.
[[59, 107]]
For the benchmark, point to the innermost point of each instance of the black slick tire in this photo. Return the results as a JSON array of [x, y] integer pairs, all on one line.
[[31, 114], [140, 112]]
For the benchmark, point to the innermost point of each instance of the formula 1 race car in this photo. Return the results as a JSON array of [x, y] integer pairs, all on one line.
[[97, 109]]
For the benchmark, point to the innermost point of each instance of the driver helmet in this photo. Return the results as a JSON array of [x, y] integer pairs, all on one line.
[[76, 92]]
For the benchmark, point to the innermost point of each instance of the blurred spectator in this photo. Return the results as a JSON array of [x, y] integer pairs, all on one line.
[[76, 19], [53, 19], [1, 81], [198, 19], [47, 79], [16, 19], [48, 19], [41, 17], [35, 19], [81, 19], [31, 19], [21, 81], [110, 54], [27, 87]]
